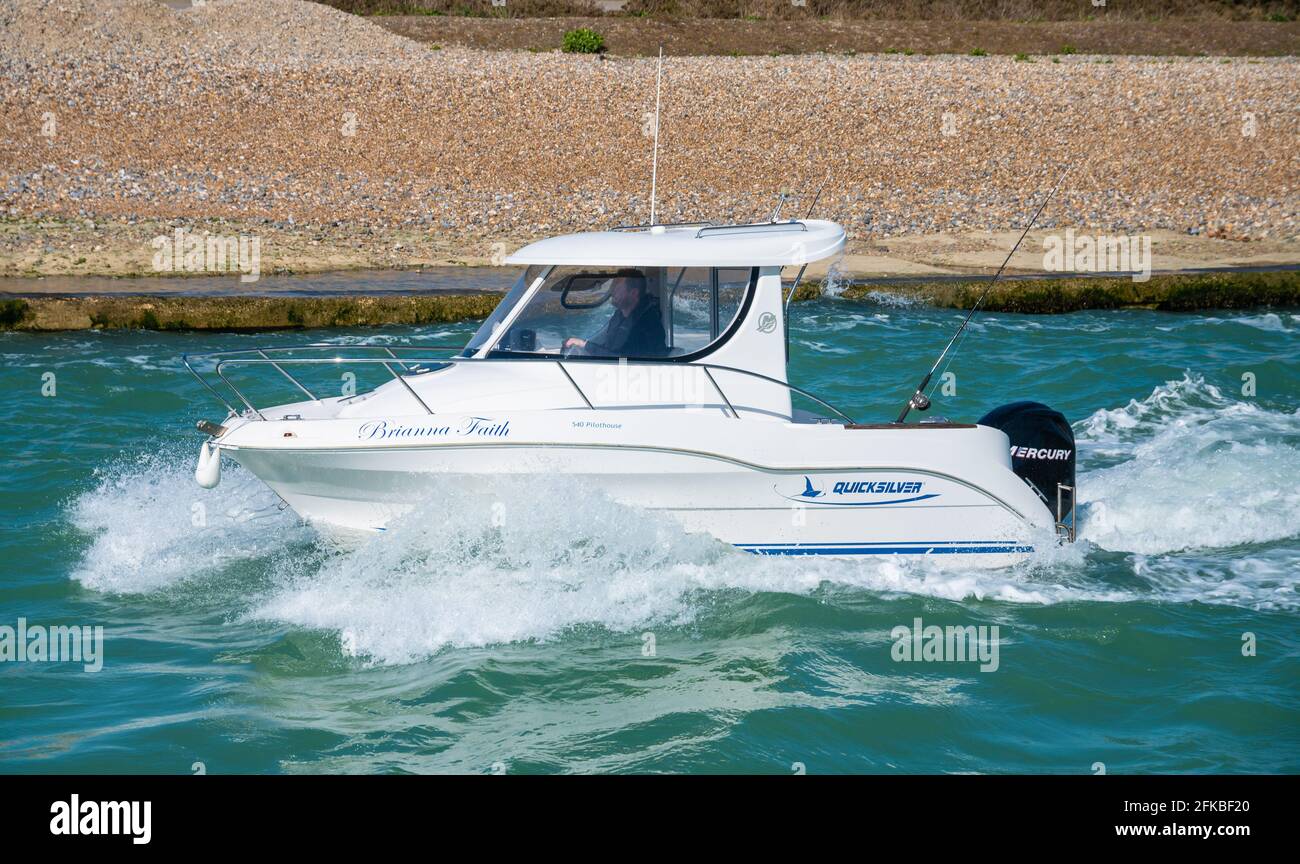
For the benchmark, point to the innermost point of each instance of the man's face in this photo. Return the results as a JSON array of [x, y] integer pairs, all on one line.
[[625, 293]]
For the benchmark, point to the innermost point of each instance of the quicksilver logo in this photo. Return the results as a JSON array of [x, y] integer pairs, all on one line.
[[133, 818], [885, 487], [766, 322], [854, 490]]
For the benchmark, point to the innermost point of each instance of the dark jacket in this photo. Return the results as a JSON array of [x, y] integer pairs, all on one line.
[[640, 334]]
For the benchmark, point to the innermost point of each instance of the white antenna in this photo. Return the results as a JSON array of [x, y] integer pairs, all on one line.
[[654, 164]]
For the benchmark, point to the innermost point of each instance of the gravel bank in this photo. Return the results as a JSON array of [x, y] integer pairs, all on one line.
[[1168, 293], [237, 314], [300, 115]]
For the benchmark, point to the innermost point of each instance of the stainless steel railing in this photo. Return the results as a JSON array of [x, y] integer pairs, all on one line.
[[222, 360], [752, 228], [240, 355]]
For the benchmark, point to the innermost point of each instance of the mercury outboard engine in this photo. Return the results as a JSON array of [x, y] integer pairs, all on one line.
[[1042, 454]]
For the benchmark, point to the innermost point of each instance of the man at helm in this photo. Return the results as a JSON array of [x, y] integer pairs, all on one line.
[[636, 327]]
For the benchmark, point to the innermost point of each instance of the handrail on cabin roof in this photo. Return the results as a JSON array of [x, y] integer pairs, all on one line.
[[707, 227]]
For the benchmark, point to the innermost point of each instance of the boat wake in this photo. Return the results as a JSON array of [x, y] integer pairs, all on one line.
[[1200, 489], [1189, 468], [1188, 487], [470, 572]]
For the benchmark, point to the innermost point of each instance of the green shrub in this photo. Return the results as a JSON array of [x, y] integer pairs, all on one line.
[[584, 40], [1023, 58], [12, 312], [1069, 49], [978, 52]]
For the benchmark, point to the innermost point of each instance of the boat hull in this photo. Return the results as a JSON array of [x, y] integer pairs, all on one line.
[[854, 493]]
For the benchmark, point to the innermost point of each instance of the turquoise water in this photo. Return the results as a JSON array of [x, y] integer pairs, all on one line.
[[246, 644]]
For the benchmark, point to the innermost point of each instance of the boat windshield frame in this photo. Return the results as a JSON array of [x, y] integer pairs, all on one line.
[[502, 316], [518, 299]]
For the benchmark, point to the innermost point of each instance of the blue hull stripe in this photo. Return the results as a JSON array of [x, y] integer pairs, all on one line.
[[912, 547], [803, 499]]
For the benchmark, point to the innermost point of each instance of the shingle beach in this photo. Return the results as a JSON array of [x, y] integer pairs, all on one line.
[[305, 119]]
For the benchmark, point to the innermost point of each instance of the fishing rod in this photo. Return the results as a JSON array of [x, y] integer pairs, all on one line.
[[919, 400], [795, 286], [785, 193], [817, 197]]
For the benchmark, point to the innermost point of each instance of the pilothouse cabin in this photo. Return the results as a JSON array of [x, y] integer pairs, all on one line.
[[681, 304]]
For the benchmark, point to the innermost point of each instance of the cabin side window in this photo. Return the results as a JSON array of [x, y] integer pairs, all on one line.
[[733, 284], [705, 301]]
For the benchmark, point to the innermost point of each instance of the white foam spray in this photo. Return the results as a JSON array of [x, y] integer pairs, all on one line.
[[1189, 468]]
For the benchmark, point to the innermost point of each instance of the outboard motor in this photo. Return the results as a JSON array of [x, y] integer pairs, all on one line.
[[1042, 454]]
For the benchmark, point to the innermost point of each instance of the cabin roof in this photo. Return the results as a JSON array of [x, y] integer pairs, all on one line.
[[763, 244]]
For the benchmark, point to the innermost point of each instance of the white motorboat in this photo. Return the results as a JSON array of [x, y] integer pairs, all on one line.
[[648, 364]]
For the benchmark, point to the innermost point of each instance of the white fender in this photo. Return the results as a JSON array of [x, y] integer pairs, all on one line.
[[208, 472]]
